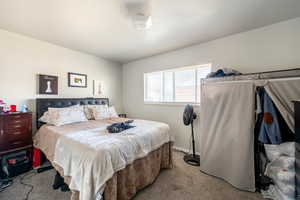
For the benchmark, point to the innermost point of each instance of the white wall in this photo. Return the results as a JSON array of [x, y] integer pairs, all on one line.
[[270, 48], [22, 58]]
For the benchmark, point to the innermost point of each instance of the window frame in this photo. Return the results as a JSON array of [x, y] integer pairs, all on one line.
[[173, 70]]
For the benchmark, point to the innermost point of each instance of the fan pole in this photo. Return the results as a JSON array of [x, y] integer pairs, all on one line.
[[193, 140], [192, 159], [188, 119]]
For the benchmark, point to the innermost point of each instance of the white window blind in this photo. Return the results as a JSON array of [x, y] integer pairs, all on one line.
[[168, 87], [185, 86], [153, 82], [175, 85]]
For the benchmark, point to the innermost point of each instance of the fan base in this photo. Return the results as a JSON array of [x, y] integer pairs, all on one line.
[[192, 160]]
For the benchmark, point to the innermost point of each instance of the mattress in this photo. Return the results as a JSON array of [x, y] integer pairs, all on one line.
[[92, 156]]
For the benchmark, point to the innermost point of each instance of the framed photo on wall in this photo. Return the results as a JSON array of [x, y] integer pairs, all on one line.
[[98, 88], [48, 84], [77, 80]]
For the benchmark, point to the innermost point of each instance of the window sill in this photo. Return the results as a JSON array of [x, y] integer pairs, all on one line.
[[170, 103]]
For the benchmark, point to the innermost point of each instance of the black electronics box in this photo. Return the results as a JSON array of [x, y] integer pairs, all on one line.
[[15, 164]]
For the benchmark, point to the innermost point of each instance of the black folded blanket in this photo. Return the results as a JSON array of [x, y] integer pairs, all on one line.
[[119, 127]]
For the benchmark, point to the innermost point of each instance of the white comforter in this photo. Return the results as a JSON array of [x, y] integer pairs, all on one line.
[[91, 157]]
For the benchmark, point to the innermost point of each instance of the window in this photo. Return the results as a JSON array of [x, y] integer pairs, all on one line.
[[154, 86], [185, 86], [168, 86], [180, 85]]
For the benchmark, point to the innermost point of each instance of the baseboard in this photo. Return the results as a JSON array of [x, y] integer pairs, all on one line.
[[183, 150]]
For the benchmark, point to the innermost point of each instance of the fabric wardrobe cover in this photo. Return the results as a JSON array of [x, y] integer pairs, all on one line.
[[283, 92], [227, 132]]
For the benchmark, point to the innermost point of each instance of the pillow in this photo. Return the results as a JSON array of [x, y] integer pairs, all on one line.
[[274, 151], [45, 118], [88, 111], [101, 112], [67, 115], [112, 112]]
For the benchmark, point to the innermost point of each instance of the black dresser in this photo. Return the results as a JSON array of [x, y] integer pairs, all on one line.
[[297, 164]]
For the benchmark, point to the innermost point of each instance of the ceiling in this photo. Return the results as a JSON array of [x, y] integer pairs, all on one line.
[[103, 28]]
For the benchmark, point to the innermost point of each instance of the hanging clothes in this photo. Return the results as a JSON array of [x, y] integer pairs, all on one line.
[[260, 91], [262, 182], [258, 105], [269, 131]]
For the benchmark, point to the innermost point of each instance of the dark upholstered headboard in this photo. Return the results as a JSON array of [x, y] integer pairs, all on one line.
[[43, 104]]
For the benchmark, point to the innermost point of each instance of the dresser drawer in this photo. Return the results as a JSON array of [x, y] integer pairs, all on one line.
[[18, 116], [17, 134], [3, 146], [18, 143], [12, 124]]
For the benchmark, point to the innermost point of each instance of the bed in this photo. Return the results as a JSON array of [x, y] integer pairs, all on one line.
[[135, 157]]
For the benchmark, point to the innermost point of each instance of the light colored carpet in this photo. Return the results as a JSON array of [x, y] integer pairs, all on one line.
[[184, 182]]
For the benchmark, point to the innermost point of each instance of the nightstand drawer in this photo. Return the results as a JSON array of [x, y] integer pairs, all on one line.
[[123, 115]]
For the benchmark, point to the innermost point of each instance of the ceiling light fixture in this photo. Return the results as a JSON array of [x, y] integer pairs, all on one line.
[[141, 21], [139, 12]]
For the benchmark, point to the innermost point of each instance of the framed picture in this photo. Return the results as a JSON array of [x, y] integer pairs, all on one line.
[[77, 80], [48, 84], [98, 88]]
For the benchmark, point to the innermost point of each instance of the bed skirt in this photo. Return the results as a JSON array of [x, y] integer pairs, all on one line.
[[142, 172]]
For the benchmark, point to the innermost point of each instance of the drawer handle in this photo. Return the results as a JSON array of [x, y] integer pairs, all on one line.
[[17, 133], [18, 121], [1, 132], [18, 142], [17, 116], [18, 126]]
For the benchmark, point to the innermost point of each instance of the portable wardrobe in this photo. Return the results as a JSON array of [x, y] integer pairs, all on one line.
[[227, 121]]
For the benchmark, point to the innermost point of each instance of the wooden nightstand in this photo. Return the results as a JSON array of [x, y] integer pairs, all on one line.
[[15, 133], [122, 115]]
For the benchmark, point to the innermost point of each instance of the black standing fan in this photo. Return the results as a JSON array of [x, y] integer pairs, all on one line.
[[188, 118]]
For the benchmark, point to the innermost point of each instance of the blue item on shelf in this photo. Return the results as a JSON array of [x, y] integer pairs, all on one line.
[[24, 108]]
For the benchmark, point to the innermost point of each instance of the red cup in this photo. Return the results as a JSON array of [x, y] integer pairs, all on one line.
[[13, 108]]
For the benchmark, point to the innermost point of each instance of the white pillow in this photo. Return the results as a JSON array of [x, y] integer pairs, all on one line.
[[45, 118], [274, 151], [67, 115], [101, 112], [112, 112]]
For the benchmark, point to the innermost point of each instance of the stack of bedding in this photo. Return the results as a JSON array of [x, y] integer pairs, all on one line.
[[281, 170]]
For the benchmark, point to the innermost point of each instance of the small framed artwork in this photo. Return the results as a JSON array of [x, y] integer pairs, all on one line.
[[98, 88], [77, 80], [48, 84]]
